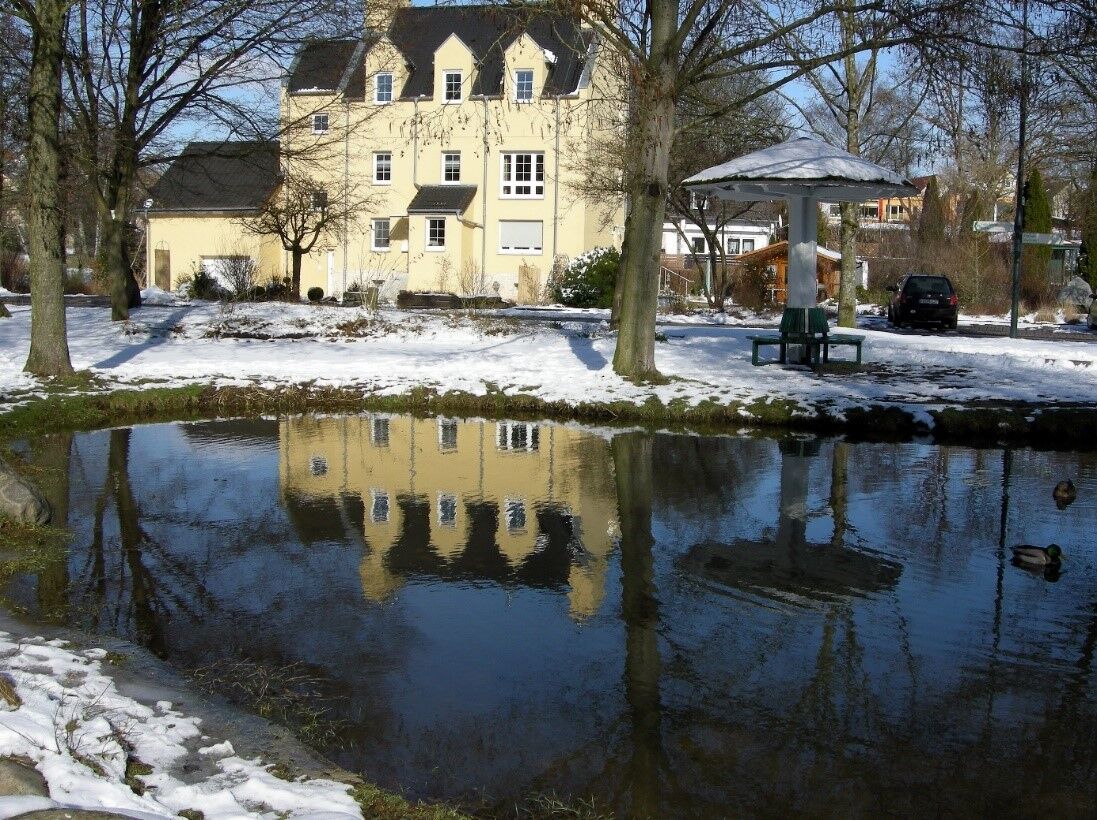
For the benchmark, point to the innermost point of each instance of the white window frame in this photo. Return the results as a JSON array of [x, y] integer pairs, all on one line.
[[445, 86], [537, 186], [380, 506], [510, 435], [520, 251], [512, 509], [373, 234], [745, 249], [518, 85], [377, 88], [316, 120], [733, 242], [445, 426], [426, 234], [446, 154], [379, 431], [376, 167]]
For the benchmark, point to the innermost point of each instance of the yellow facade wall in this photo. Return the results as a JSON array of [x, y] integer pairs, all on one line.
[[188, 239]]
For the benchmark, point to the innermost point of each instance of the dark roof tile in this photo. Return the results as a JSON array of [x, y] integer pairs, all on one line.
[[321, 65], [218, 176], [438, 199]]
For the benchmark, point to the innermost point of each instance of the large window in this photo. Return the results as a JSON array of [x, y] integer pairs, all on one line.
[[748, 245], [733, 245], [382, 167], [523, 176], [382, 88], [380, 234], [451, 81], [436, 233], [451, 166], [523, 85], [520, 236], [870, 210]]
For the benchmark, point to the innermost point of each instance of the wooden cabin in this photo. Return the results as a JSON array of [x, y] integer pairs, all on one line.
[[775, 257]]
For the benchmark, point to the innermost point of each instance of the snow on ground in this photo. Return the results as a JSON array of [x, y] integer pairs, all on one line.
[[79, 731], [275, 344]]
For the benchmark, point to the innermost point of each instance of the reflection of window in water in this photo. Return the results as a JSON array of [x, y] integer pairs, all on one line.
[[379, 432], [379, 509], [514, 435], [447, 435], [447, 509], [515, 512], [318, 465]]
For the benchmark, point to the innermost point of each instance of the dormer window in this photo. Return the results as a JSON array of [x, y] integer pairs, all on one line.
[[451, 84], [523, 85], [319, 123], [382, 88]]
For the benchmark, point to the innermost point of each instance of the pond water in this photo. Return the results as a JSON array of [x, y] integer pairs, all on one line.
[[678, 626]]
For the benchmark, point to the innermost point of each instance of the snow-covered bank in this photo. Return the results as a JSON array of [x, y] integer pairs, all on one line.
[[70, 719], [275, 345]]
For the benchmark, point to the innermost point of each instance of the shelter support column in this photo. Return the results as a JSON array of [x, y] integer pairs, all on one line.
[[803, 218]]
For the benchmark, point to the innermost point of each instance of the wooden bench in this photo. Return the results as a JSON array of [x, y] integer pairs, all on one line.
[[807, 327]]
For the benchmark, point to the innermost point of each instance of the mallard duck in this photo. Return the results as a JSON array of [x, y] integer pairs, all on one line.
[[1050, 555], [1064, 493]]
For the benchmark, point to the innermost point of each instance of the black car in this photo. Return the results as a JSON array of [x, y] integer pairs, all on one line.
[[923, 299]]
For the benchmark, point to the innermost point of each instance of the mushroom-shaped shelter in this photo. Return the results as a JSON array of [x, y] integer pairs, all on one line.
[[805, 172]]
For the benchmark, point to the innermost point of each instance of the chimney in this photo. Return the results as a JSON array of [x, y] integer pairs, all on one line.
[[381, 13]]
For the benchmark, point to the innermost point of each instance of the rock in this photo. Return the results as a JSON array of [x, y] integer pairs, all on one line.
[[21, 779], [20, 500], [1076, 292]]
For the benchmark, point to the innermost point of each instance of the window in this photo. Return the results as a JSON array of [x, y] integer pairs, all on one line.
[[436, 233], [379, 432], [748, 245], [514, 435], [514, 510], [380, 234], [319, 123], [697, 244], [451, 166], [319, 200], [733, 245], [523, 176], [382, 167], [447, 509], [870, 210], [452, 85], [379, 507], [382, 88], [447, 435], [520, 237], [834, 209], [523, 85], [896, 211]]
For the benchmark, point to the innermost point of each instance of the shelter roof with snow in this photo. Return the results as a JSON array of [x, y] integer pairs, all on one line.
[[801, 167]]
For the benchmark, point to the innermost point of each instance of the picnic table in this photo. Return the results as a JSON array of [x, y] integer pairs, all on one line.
[[809, 328]]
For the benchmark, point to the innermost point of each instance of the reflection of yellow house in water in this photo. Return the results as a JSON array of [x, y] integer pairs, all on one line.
[[514, 502]]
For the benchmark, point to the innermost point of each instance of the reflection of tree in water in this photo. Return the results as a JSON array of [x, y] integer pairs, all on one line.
[[140, 599], [51, 454]]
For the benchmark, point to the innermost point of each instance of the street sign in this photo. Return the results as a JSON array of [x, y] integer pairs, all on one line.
[[993, 227], [1027, 238]]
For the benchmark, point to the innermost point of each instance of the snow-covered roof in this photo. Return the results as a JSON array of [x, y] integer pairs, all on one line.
[[801, 167]]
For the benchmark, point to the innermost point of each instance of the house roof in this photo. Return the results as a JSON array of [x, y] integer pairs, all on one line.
[[321, 66], [439, 199], [801, 167], [218, 176], [418, 31], [825, 257]]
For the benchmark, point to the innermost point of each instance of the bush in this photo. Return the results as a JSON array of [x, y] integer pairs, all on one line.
[[315, 294], [589, 280], [200, 284], [751, 286]]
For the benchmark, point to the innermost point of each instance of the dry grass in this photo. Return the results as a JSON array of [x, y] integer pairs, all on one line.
[[1046, 313], [8, 693]]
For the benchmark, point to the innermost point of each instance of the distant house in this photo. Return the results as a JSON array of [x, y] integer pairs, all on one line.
[[685, 248], [774, 259], [886, 212]]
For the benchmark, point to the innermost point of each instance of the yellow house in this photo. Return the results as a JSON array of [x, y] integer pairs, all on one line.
[[454, 135], [479, 500]]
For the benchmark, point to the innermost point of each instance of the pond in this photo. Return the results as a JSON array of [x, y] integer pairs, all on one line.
[[674, 625]]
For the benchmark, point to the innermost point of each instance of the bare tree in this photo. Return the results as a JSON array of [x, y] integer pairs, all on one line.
[[49, 347], [137, 68], [301, 213]]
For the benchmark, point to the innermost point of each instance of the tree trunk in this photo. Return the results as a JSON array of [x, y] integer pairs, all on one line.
[[49, 347], [634, 357], [115, 264], [847, 282], [295, 280]]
